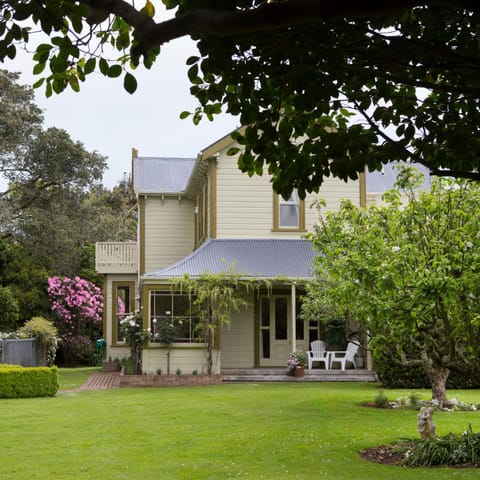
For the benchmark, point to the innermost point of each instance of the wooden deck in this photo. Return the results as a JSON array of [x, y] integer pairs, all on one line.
[[107, 380], [256, 375]]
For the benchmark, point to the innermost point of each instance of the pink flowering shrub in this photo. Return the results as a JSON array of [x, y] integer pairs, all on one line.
[[77, 305]]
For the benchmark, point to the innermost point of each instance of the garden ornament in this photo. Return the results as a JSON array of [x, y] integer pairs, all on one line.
[[426, 427]]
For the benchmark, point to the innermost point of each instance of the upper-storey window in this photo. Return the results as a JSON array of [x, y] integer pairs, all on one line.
[[289, 214]]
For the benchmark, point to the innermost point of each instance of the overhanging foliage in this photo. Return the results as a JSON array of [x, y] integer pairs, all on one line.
[[325, 89]]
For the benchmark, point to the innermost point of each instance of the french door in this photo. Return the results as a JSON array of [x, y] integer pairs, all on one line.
[[275, 334]]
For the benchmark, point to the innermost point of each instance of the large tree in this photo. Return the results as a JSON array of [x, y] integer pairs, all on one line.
[[324, 88], [20, 118], [39, 166], [408, 273], [52, 206]]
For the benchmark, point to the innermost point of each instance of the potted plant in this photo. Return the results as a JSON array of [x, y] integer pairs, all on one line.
[[296, 363]]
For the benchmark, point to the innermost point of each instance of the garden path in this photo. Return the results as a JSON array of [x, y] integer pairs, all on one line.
[[99, 381], [102, 381]]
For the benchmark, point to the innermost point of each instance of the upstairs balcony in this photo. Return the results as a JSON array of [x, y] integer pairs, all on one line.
[[116, 257]]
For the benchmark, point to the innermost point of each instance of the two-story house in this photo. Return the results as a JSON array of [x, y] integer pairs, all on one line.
[[202, 214]]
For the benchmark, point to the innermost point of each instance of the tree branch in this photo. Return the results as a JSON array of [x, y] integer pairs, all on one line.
[[454, 173], [269, 16]]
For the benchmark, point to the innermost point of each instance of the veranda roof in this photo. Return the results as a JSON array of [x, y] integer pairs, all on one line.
[[264, 258]]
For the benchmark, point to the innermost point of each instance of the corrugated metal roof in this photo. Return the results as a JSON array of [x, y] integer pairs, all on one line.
[[162, 174], [381, 181], [266, 258]]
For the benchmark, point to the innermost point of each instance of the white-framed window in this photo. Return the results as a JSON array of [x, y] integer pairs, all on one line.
[[176, 309], [289, 214], [289, 211]]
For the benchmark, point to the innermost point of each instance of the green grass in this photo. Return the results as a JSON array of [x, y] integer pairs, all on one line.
[[71, 378], [264, 431]]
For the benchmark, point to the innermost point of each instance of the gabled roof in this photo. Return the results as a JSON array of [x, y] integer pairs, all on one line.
[[383, 180], [161, 175], [264, 258]]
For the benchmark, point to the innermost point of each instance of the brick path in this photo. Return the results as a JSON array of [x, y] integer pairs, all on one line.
[[102, 381], [98, 381]]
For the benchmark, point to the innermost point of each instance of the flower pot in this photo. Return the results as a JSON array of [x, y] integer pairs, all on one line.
[[300, 371]]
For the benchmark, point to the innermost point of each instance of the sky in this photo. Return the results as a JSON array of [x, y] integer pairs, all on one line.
[[107, 119]]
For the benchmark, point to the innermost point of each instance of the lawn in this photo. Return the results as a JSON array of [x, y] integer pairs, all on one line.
[[71, 378], [256, 431]]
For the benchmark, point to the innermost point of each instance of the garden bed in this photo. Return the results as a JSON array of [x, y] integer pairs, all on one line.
[[168, 380]]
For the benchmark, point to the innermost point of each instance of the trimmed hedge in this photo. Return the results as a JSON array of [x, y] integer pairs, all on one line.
[[393, 375], [27, 382]]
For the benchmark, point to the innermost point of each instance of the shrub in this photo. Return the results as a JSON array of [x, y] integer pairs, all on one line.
[[45, 334], [450, 450], [9, 309], [77, 305], [20, 382], [381, 400], [76, 351], [393, 375]]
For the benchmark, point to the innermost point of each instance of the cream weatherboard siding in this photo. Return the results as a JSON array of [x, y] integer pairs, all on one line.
[[244, 205], [333, 191], [185, 358], [169, 231], [237, 342]]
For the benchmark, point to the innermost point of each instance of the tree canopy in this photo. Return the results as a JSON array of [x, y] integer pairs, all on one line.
[[52, 205], [324, 88], [408, 273]]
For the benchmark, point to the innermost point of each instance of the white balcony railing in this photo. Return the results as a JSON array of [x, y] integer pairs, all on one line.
[[116, 257]]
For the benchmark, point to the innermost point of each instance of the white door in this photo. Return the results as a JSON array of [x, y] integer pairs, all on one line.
[[275, 314]]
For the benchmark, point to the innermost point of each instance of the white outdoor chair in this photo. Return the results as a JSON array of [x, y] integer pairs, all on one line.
[[317, 354], [344, 357]]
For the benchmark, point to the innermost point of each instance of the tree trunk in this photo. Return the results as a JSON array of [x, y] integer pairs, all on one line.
[[439, 380], [209, 351], [168, 358], [136, 354]]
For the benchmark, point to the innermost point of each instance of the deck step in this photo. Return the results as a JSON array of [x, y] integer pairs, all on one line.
[[280, 375]]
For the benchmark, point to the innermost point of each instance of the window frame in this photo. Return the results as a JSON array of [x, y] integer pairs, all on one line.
[[153, 315], [130, 285], [278, 200]]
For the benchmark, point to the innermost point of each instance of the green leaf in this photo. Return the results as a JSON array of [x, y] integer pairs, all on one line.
[[38, 68], [103, 65], [149, 9], [232, 151], [114, 71], [130, 83], [38, 83], [192, 60], [73, 81], [90, 65], [48, 90], [11, 52], [44, 47], [184, 115], [193, 73]]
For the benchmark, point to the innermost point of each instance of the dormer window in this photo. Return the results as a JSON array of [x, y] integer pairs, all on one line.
[[289, 214]]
